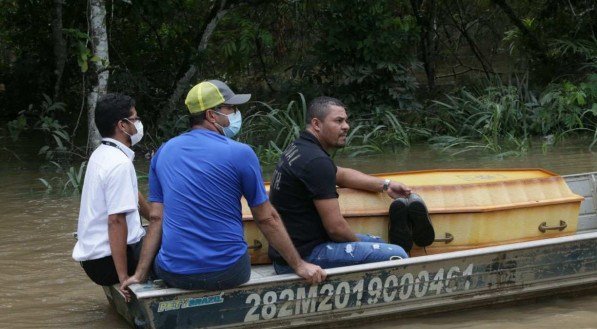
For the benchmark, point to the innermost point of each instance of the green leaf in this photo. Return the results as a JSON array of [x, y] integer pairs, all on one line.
[[43, 150]]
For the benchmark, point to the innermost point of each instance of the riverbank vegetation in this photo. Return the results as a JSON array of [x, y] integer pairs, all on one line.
[[464, 76]]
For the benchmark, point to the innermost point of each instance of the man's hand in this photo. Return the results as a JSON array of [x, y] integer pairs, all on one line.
[[311, 272], [398, 190], [124, 286]]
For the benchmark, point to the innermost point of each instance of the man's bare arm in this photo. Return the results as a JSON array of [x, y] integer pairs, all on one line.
[[334, 223], [117, 235], [269, 223], [151, 244], [347, 177], [144, 207]]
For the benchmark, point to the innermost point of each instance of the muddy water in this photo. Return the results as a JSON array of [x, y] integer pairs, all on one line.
[[42, 287]]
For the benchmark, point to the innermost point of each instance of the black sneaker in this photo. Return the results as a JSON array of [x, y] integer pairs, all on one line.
[[423, 233], [399, 231]]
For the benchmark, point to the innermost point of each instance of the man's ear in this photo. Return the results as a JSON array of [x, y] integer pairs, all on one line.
[[210, 115], [120, 125], [316, 124]]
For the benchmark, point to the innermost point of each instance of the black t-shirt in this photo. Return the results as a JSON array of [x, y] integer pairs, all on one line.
[[304, 173]]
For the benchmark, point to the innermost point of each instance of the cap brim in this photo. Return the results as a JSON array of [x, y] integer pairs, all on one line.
[[238, 99]]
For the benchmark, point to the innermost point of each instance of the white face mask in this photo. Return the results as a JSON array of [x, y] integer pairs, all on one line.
[[136, 137], [236, 121]]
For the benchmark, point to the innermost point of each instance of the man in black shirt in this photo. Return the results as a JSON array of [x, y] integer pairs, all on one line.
[[303, 190]]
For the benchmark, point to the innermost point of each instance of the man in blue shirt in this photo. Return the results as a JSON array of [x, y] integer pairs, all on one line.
[[196, 182]]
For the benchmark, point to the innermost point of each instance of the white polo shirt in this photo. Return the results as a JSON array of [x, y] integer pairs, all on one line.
[[110, 187]]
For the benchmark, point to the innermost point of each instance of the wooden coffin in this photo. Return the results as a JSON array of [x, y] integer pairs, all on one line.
[[468, 208]]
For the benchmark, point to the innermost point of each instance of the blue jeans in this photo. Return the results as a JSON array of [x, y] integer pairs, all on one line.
[[369, 249], [233, 276]]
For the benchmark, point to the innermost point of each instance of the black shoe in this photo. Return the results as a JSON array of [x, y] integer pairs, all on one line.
[[399, 231], [423, 233]]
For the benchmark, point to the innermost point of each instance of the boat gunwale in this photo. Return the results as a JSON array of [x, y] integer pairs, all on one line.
[[137, 289]]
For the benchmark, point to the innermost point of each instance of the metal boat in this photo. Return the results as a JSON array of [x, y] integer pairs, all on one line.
[[551, 258]]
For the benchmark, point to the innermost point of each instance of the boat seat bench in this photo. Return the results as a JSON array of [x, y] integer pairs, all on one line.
[[259, 274]]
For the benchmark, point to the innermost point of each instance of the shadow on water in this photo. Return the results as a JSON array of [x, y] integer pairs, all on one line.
[[44, 287]]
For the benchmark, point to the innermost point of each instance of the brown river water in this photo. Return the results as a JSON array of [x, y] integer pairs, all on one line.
[[42, 287]]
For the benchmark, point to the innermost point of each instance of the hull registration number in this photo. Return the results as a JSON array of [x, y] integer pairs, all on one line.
[[365, 291]]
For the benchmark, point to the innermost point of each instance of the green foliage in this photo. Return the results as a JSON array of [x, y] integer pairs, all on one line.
[[502, 117], [70, 180], [568, 108], [17, 126], [78, 45], [59, 146], [46, 121], [75, 177], [249, 39], [270, 130], [275, 128], [563, 38], [380, 131], [492, 115], [175, 124], [364, 54], [44, 118]]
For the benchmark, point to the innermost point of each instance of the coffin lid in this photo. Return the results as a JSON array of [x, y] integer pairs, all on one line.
[[461, 191]]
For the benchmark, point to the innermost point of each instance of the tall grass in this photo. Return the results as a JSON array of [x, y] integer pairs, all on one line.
[[70, 181], [502, 119], [380, 131], [270, 130]]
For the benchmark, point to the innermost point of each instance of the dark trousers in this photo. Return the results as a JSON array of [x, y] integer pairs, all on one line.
[[102, 270], [233, 276]]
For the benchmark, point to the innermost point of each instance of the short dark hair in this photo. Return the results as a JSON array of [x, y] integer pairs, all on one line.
[[110, 109], [196, 119], [319, 107]]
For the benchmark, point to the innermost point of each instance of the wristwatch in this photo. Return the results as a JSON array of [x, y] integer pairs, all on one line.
[[386, 185]]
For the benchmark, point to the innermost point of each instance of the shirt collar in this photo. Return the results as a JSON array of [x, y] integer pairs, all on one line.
[[306, 135], [127, 151]]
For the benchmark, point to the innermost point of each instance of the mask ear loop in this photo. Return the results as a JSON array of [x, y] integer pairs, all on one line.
[[124, 131], [216, 124]]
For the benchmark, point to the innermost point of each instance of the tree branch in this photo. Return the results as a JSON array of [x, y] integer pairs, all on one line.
[[216, 13], [533, 40]]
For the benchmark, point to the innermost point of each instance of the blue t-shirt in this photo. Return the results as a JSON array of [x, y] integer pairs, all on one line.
[[200, 177]]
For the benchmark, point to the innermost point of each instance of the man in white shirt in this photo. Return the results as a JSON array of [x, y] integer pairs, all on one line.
[[109, 227]]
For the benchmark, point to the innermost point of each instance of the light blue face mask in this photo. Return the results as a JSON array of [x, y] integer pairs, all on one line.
[[236, 121]]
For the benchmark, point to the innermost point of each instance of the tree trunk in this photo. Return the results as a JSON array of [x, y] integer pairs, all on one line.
[[425, 15], [183, 83], [463, 27], [59, 47], [99, 45]]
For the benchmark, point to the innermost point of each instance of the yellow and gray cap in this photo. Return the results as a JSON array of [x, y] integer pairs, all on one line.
[[209, 94]]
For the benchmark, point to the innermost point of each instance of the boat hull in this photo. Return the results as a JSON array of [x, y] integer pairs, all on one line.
[[494, 274], [454, 280]]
